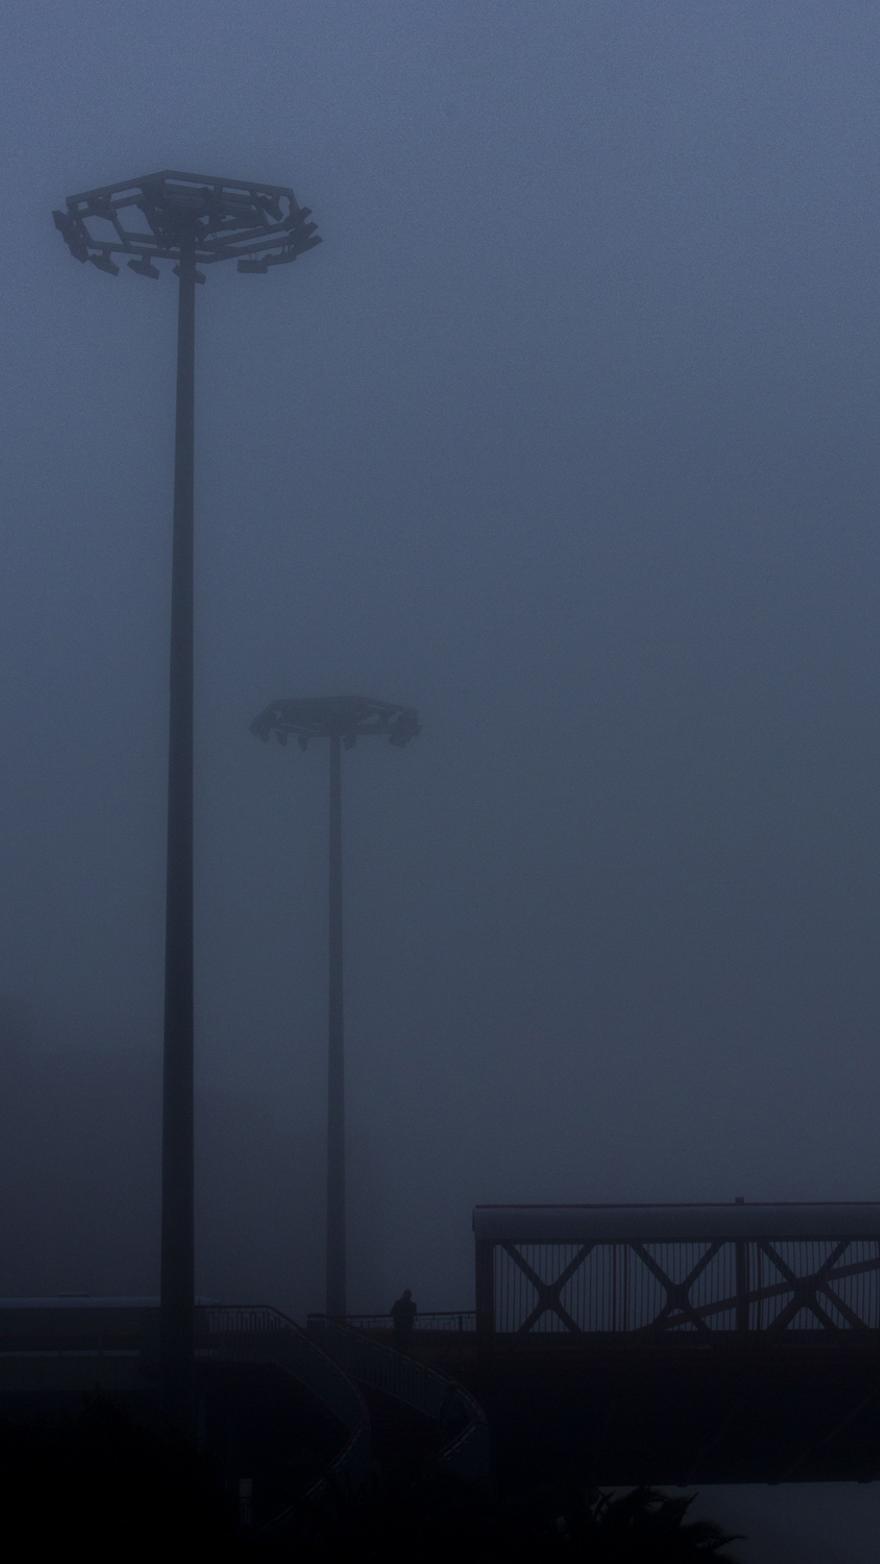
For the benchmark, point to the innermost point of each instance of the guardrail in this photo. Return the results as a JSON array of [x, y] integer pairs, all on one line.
[[661, 1271], [249, 1333], [252, 1319], [465, 1450], [447, 1321]]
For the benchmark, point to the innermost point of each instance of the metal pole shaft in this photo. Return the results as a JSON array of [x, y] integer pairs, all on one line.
[[177, 1299], [335, 1052]]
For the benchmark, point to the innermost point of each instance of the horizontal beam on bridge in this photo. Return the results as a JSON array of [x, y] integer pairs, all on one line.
[[676, 1223]]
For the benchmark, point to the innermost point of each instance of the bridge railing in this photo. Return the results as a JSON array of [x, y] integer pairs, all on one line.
[[445, 1320], [464, 1431], [693, 1288], [240, 1319], [249, 1332]]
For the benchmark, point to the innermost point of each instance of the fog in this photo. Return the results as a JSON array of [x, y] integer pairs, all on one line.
[[566, 435]]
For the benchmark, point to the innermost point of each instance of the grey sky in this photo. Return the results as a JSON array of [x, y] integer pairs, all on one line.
[[567, 434]]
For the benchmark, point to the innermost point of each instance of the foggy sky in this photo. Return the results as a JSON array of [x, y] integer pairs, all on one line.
[[566, 434]]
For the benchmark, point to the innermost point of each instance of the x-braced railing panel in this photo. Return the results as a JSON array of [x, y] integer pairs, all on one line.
[[698, 1288]]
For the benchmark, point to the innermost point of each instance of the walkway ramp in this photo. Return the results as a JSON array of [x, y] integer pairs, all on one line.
[[464, 1446]]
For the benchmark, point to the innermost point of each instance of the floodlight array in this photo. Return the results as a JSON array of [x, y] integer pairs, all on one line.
[[348, 717], [159, 216]]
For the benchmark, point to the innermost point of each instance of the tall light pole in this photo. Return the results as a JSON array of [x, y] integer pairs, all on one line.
[[193, 221], [343, 720]]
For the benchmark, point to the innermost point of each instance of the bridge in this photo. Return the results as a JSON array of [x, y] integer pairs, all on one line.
[[624, 1344], [301, 1417], [672, 1343]]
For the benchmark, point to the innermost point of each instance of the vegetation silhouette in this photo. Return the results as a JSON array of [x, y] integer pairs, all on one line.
[[96, 1476], [444, 1520]]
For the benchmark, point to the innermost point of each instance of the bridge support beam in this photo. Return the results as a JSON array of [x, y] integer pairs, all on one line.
[[484, 1291]]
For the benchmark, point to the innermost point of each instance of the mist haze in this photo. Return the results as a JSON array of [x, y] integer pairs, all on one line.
[[565, 435]]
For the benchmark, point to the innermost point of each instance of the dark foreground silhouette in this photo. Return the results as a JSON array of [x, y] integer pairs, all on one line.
[[446, 1522], [96, 1479]]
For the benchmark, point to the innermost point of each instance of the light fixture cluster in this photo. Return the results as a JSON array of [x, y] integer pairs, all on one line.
[[159, 216], [348, 717]]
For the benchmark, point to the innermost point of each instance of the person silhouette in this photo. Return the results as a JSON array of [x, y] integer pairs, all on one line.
[[403, 1317]]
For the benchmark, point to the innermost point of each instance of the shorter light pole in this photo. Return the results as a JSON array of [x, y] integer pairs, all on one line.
[[342, 719]]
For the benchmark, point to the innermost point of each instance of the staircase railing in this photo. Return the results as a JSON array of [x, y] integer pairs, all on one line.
[[465, 1451], [257, 1333]]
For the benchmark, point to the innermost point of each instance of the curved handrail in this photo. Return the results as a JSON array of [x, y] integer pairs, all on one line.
[[248, 1332], [466, 1450]]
